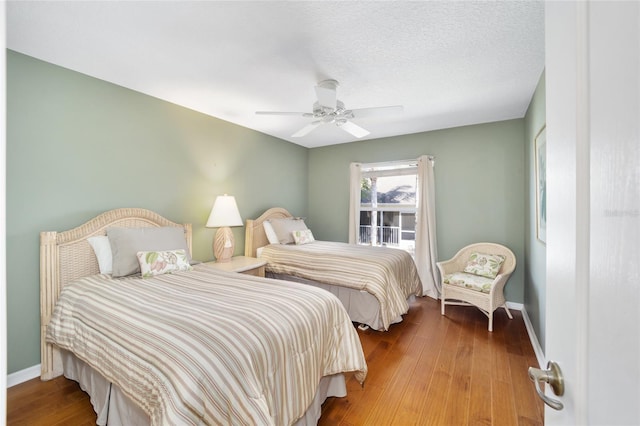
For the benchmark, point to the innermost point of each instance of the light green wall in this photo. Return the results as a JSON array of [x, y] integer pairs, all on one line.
[[77, 146], [535, 288], [479, 179]]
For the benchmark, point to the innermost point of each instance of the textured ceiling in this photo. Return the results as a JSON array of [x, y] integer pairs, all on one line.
[[448, 63]]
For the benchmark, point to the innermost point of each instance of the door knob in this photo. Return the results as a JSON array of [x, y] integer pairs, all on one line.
[[553, 376]]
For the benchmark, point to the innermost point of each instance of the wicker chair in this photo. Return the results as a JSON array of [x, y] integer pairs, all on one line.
[[488, 298]]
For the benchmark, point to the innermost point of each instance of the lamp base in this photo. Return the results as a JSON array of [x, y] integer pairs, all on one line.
[[223, 244]]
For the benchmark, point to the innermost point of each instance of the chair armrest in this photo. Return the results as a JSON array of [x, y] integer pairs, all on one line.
[[499, 282], [448, 267]]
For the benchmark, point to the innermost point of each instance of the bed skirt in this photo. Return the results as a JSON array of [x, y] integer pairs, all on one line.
[[114, 408]]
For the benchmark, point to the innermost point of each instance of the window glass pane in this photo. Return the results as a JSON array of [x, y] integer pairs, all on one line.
[[391, 218], [408, 226], [387, 207], [396, 190], [365, 191], [365, 218], [408, 221]]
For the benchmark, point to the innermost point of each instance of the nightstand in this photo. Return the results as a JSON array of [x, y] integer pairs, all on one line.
[[242, 265]]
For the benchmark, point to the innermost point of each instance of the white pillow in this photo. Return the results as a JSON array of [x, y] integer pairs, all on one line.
[[271, 234], [102, 249]]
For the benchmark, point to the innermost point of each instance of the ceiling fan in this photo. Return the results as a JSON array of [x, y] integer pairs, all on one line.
[[327, 109]]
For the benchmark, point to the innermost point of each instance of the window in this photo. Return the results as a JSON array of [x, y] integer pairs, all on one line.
[[393, 204], [387, 208]]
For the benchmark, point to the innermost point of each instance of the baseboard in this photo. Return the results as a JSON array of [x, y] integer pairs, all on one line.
[[537, 349], [515, 306], [23, 375], [534, 340]]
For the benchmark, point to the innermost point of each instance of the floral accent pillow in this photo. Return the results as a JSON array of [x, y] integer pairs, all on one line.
[[484, 265], [154, 263], [303, 237]]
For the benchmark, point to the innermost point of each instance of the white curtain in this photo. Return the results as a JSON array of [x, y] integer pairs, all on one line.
[[354, 202], [426, 243]]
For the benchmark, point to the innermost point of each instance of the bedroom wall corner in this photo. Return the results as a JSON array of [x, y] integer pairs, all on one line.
[[535, 250], [470, 163]]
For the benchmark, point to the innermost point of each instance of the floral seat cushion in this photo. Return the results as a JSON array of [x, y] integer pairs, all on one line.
[[470, 281]]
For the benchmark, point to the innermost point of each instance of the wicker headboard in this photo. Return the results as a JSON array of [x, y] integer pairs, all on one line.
[[67, 256], [254, 236]]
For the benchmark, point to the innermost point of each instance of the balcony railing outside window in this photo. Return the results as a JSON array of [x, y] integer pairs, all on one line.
[[389, 236], [386, 235]]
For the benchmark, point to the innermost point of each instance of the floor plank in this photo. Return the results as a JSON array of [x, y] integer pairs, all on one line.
[[428, 370]]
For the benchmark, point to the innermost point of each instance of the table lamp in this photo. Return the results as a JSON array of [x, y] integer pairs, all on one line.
[[223, 215]]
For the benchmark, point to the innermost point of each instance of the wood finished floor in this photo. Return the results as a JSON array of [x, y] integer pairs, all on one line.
[[427, 370]]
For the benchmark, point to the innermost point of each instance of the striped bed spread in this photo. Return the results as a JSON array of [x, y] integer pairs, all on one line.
[[390, 275], [208, 347]]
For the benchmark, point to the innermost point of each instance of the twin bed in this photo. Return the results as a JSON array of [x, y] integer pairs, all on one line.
[[198, 346], [374, 284]]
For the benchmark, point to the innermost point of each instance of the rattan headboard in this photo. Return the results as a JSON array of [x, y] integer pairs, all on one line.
[[254, 236], [67, 256]]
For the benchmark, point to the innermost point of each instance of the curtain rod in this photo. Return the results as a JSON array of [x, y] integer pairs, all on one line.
[[394, 162]]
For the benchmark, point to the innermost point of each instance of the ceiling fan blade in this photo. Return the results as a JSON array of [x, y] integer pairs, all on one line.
[[354, 129], [377, 111], [327, 96], [300, 114], [306, 129]]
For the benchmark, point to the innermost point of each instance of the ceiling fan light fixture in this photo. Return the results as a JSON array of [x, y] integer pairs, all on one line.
[[328, 109], [329, 83]]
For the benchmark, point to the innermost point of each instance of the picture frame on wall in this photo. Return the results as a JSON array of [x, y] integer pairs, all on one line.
[[540, 148]]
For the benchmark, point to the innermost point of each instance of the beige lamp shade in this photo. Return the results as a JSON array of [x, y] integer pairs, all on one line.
[[223, 215]]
